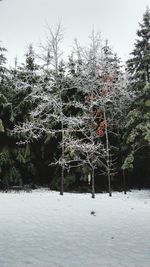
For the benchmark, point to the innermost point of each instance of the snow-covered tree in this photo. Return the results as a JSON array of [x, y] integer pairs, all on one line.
[[22, 80], [115, 100], [3, 70], [88, 147], [105, 99], [47, 117], [137, 131]]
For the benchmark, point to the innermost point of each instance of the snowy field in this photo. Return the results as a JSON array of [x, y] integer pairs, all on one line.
[[44, 229]]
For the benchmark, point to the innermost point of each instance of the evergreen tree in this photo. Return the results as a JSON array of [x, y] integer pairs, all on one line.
[[137, 131], [3, 70], [23, 79]]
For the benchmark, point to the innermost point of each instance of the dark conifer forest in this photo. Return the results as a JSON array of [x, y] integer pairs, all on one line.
[[78, 123]]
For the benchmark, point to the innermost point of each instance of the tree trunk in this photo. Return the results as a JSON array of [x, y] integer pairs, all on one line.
[[93, 184], [108, 156], [62, 149], [62, 164], [62, 181], [124, 182]]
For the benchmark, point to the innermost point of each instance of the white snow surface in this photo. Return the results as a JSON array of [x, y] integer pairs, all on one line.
[[44, 229]]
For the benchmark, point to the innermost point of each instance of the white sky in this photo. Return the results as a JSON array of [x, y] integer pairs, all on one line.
[[24, 21]]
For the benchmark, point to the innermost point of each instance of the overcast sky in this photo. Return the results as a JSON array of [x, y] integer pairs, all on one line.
[[24, 21]]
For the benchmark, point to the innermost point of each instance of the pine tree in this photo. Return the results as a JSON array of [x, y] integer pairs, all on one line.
[[23, 79], [3, 70], [137, 137]]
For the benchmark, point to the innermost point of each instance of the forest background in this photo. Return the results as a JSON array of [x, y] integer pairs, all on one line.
[[76, 123]]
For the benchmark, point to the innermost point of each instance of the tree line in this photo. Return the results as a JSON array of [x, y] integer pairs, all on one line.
[[81, 123]]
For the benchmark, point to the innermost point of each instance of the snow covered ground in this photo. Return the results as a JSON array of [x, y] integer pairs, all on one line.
[[44, 229]]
